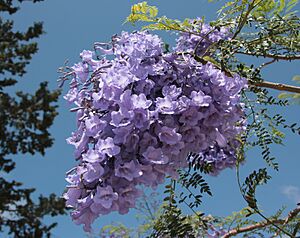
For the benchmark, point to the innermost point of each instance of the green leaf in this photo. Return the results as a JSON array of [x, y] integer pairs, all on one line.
[[153, 11], [285, 95], [210, 59], [281, 6], [142, 12], [296, 78], [291, 4]]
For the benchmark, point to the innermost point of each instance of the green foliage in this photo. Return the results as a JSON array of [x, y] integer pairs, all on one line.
[[172, 223], [115, 230], [146, 13], [251, 182], [240, 222], [258, 7], [142, 12], [263, 128], [191, 179], [24, 128], [237, 219], [294, 226]]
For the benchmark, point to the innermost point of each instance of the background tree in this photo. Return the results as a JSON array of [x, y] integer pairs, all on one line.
[[24, 123]]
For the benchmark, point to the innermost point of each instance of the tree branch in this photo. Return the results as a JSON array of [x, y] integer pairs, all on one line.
[[258, 225], [277, 86], [243, 19], [264, 84], [273, 56], [292, 214]]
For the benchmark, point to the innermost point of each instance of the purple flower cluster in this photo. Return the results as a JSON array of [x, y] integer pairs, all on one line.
[[201, 38], [139, 113]]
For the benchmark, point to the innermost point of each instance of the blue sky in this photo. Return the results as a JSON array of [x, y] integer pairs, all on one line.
[[73, 25]]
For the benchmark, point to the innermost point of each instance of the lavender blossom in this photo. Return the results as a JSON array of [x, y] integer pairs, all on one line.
[[140, 113]]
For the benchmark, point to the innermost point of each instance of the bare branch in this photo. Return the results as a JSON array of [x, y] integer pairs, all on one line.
[[267, 63], [277, 86]]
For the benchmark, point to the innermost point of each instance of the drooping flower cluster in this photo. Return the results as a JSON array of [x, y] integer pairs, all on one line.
[[140, 111]]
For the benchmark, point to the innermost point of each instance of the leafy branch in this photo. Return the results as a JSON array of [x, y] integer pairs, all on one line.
[[292, 215]]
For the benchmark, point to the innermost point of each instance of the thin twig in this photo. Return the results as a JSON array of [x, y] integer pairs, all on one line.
[[273, 56], [243, 19], [266, 64]]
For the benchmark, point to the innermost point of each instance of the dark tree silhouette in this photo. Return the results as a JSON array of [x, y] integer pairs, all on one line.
[[24, 123]]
